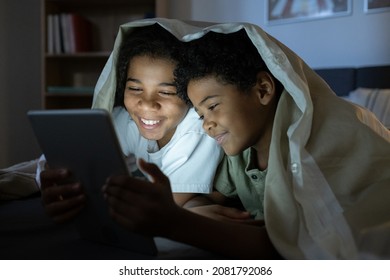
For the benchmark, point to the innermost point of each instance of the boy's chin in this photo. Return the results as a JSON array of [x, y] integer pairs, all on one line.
[[232, 152]]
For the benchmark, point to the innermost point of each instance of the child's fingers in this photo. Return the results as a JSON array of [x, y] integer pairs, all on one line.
[[154, 172], [135, 185], [121, 185], [55, 193], [51, 177], [64, 210]]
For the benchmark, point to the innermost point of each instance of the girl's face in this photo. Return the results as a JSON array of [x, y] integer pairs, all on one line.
[[151, 100], [234, 119]]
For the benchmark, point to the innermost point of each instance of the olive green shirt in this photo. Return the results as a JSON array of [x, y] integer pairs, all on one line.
[[238, 176]]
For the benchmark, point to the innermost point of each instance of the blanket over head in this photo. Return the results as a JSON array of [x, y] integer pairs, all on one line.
[[327, 193]]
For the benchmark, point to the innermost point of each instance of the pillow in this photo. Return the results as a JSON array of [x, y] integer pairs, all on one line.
[[375, 100], [18, 181]]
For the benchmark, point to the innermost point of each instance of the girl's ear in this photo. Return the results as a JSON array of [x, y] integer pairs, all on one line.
[[265, 87]]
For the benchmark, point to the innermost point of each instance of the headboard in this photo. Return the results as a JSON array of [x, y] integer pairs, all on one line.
[[345, 80]]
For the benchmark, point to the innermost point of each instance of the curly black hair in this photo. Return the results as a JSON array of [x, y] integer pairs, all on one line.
[[231, 58], [153, 41]]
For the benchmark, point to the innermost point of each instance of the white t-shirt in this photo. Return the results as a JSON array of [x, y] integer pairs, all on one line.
[[189, 159]]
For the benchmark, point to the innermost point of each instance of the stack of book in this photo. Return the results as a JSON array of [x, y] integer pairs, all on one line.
[[68, 33]]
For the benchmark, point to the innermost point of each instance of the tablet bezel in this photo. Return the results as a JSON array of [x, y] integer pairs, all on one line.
[[85, 142]]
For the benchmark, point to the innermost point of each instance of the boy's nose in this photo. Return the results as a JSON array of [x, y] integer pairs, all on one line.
[[208, 125]]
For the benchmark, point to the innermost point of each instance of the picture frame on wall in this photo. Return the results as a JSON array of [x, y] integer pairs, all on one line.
[[376, 6], [288, 11]]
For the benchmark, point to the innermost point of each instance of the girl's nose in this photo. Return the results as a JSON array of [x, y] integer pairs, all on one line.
[[148, 103]]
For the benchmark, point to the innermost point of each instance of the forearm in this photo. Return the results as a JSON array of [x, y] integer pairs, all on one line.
[[232, 240], [182, 199], [214, 197], [198, 200]]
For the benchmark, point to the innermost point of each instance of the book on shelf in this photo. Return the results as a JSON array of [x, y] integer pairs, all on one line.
[[57, 35], [50, 34], [68, 33]]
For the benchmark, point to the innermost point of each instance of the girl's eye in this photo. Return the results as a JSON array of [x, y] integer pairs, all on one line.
[[201, 117], [167, 93], [136, 89], [212, 107]]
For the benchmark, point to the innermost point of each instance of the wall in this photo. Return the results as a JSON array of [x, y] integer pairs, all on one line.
[[19, 78], [356, 40], [3, 107]]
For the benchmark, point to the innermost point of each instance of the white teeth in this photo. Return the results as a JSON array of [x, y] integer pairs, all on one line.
[[149, 122]]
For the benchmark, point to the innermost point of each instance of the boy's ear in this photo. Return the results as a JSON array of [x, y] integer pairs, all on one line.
[[265, 86]]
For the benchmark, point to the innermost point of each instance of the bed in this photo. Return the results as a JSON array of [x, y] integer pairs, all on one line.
[[366, 86]]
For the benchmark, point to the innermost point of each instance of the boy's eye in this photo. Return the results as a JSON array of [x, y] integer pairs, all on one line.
[[209, 108]]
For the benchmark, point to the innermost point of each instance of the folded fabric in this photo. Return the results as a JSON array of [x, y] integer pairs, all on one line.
[[375, 100], [18, 181]]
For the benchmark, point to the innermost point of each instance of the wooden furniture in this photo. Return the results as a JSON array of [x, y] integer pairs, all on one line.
[[68, 77]]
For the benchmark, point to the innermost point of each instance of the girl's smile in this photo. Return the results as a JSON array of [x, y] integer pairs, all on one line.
[[149, 124]]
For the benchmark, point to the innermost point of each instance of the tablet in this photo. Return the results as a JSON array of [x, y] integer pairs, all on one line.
[[85, 142]]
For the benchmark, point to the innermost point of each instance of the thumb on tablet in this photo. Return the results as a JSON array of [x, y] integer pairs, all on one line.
[[155, 174]]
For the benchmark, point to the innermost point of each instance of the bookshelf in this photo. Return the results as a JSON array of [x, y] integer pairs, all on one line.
[[69, 75]]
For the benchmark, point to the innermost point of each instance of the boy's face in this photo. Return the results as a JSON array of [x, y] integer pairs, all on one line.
[[234, 119], [151, 100]]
